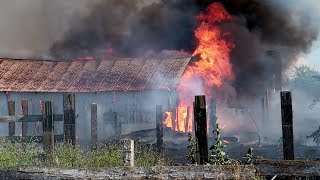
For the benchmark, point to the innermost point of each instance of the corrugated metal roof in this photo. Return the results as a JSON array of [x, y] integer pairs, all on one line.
[[98, 75]]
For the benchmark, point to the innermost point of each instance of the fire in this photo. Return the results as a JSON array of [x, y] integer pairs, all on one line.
[[214, 67]]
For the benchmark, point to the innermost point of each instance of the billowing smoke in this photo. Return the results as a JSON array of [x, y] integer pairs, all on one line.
[[29, 28], [266, 32], [131, 28]]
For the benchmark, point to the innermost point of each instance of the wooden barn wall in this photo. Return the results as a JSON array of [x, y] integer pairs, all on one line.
[[135, 109]]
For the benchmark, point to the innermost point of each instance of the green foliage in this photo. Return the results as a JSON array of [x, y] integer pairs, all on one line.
[[108, 156], [218, 156], [316, 136], [13, 155], [249, 156], [191, 149], [18, 154], [68, 155], [146, 156]]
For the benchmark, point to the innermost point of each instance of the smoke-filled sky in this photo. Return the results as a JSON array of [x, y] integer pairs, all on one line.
[[73, 28]]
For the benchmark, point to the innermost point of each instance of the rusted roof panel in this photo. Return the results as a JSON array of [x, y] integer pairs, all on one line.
[[27, 75]]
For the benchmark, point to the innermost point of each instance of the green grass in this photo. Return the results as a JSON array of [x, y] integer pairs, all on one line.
[[22, 154]]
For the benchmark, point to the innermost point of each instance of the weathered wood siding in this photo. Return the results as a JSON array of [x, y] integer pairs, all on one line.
[[136, 110]]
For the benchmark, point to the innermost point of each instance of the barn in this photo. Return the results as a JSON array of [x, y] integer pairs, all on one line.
[[130, 88]]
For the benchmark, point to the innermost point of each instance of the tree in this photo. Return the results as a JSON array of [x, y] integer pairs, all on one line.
[[304, 79], [316, 136]]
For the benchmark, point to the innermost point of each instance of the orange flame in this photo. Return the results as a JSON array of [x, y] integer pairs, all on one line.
[[214, 67]]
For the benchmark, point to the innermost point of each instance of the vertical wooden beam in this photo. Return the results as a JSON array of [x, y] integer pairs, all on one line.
[[263, 110], [200, 119], [174, 118], [24, 106], [187, 119], [48, 129], [128, 149], [94, 128], [69, 119], [287, 128], [12, 125], [159, 127], [267, 106]]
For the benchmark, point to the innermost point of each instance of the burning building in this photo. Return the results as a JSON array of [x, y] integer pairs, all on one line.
[[131, 88]]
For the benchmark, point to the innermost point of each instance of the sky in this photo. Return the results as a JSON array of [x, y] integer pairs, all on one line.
[[312, 59], [28, 27]]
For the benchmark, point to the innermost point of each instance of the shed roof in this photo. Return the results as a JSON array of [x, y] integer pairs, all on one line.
[[97, 75]]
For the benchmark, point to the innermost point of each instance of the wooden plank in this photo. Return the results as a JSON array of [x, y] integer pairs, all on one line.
[[94, 128], [287, 127], [174, 118], [200, 119], [48, 130], [28, 118], [12, 125], [299, 168], [69, 123], [159, 127], [24, 106], [128, 150], [187, 119]]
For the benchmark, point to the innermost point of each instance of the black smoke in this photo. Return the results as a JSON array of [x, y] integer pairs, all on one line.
[[265, 32], [131, 28], [269, 36]]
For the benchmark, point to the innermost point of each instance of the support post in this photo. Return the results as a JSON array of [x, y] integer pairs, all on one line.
[[287, 128], [24, 107], [174, 117], [94, 129], [69, 119], [159, 127], [267, 106], [48, 130], [200, 119], [12, 125], [187, 119], [128, 149], [263, 110]]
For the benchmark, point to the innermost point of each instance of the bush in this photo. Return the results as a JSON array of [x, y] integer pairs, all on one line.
[[21, 154], [108, 156], [18, 154], [146, 156]]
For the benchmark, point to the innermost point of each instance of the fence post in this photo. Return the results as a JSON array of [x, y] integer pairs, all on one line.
[[187, 119], [159, 127], [200, 120], [12, 125], [128, 149], [48, 129], [94, 129], [174, 118], [69, 119], [287, 129], [24, 106]]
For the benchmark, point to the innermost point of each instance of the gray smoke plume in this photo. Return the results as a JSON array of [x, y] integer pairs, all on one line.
[[266, 32], [130, 28], [29, 28]]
